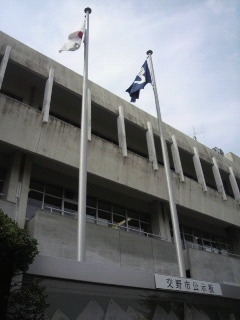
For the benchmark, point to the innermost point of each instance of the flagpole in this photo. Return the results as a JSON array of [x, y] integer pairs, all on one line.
[[173, 209], [82, 187]]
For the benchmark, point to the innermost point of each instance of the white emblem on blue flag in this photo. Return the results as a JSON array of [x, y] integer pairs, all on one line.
[[140, 81], [141, 75]]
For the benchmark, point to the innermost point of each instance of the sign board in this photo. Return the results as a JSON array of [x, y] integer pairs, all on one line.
[[187, 285]]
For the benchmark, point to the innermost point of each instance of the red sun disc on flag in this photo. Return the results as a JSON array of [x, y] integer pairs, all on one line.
[[80, 34]]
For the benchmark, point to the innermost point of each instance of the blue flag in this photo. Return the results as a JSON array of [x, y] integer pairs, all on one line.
[[139, 83]]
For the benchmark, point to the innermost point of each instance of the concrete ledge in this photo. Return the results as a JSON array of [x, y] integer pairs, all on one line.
[[67, 269], [214, 267], [21, 126], [88, 272], [230, 291]]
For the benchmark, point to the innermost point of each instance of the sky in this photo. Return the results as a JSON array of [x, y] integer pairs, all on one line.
[[196, 55]]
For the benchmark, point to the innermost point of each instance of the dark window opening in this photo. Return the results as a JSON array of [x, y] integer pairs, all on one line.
[[2, 177], [12, 95], [188, 273], [64, 201]]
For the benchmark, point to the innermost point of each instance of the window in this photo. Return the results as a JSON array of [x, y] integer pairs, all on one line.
[[35, 185], [70, 207], [105, 206], [133, 225], [12, 95], [54, 191], [119, 220], [44, 196], [35, 200], [64, 201], [53, 203], [91, 214], [104, 218], [119, 210], [198, 239], [117, 217], [91, 202]]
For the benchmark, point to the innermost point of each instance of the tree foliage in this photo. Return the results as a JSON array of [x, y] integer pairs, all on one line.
[[17, 252], [27, 302], [15, 244]]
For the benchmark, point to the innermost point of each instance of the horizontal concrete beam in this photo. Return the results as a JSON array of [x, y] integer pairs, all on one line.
[[67, 269], [22, 126], [90, 272]]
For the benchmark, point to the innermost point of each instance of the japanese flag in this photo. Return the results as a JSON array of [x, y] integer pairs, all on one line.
[[74, 40]]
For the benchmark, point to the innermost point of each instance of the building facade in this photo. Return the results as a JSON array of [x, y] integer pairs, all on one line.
[[131, 269]]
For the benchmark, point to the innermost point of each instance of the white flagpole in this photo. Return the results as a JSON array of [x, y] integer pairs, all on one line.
[[173, 209], [82, 187]]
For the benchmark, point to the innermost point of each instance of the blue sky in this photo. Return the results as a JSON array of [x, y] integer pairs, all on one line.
[[196, 54]]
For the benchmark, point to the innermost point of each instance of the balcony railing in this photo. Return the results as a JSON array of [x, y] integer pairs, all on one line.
[[106, 223], [210, 249]]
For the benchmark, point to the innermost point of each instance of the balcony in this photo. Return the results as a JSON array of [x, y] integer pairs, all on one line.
[[57, 237], [209, 266], [21, 126]]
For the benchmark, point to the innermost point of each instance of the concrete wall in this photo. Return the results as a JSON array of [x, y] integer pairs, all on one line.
[[234, 236], [8, 208], [214, 267], [21, 125], [234, 158], [57, 237], [40, 64]]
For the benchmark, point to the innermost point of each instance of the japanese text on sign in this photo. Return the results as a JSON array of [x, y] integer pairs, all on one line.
[[187, 285]]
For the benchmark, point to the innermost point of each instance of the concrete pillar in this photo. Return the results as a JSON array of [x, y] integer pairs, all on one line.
[[176, 159], [4, 63], [198, 169], [151, 146], [218, 179], [234, 235], [234, 185], [11, 181], [160, 220], [121, 132], [47, 96], [23, 189]]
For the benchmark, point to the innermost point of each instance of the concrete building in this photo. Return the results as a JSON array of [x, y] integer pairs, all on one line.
[[131, 269]]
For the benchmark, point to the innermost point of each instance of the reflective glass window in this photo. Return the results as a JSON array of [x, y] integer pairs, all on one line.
[[91, 214], [70, 208], [104, 206], [71, 194], [91, 202], [54, 191], [36, 185], [104, 216], [53, 203]]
